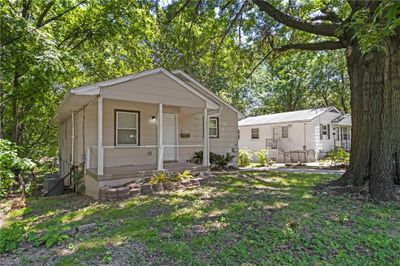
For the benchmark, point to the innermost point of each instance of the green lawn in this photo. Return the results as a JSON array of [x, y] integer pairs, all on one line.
[[263, 219]]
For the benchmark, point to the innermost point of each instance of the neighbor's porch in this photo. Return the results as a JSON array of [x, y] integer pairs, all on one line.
[[343, 137]]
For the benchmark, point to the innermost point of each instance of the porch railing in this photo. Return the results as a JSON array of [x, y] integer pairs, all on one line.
[[138, 155], [272, 144], [345, 144]]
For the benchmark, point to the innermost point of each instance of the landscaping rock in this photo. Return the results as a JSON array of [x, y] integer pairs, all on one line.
[[186, 183], [146, 189], [195, 181], [125, 195], [133, 185], [133, 192], [112, 197], [87, 228], [103, 196], [169, 186], [111, 191], [158, 187], [203, 180], [70, 232], [123, 190]]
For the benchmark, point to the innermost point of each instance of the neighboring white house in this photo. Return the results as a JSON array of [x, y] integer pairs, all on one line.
[[296, 136], [124, 129]]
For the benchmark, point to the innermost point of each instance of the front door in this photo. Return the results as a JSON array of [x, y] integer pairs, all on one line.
[[170, 136]]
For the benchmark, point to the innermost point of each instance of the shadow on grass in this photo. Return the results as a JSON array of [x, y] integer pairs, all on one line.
[[261, 218]]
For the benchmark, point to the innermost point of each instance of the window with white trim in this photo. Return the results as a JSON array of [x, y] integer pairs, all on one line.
[[285, 132], [127, 128], [213, 129], [255, 133]]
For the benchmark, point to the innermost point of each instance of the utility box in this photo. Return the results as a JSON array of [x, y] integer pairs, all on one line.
[[53, 185]]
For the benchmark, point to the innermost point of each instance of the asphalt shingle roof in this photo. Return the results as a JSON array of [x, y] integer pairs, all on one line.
[[295, 116]]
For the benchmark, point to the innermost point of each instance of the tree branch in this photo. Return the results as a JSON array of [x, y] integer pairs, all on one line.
[[44, 23], [324, 29], [180, 10], [235, 18], [44, 13], [326, 45], [318, 46]]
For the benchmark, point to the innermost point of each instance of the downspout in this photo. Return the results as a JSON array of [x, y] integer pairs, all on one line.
[[305, 143], [72, 137], [208, 119], [84, 138]]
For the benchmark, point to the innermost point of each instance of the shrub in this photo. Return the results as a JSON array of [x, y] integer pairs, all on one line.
[[158, 178], [10, 236], [219, 161], [262, 156], [12, 166], [338, 157], [244, 157]]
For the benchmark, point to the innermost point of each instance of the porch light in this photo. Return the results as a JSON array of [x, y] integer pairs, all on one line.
[[153, 118]]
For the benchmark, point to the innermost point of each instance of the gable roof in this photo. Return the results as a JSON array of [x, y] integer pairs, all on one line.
[[343, 120], [287, 117], [81, 96], [197, 85], [94, 89]]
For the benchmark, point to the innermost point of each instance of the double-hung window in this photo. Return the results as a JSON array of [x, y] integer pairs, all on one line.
[[255, 133], [285, 132], [126, 128], [213, 127]]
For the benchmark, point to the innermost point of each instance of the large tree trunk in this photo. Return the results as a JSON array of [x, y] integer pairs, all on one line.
[[375, 103]]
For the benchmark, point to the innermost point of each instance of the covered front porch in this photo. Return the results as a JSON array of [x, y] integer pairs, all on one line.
[[149, 123]]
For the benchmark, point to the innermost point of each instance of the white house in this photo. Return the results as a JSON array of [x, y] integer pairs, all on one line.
[[296, 136], [123, 129]]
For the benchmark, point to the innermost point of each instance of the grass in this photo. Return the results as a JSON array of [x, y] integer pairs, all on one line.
[[263, 219]]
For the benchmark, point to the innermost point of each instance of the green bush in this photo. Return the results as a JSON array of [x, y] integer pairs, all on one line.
[[262, 156], [11, 165], [10, 236], [244, 157], [338, 157], [219, 161]]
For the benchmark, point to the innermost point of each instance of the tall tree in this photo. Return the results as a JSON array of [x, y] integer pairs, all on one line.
[[370, 33]]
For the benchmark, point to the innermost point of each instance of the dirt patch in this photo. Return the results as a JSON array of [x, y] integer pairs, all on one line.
[[359, 193], [129, 253]]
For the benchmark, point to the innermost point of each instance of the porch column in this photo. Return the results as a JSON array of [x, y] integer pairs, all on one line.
[[206, 157], [100, 155], [160, 154]]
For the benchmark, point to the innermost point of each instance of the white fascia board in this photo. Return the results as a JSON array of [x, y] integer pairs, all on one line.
[[94, 89], [277, 123], [240, 115]]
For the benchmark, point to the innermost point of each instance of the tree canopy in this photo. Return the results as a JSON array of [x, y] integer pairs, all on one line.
[[240, 49]]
